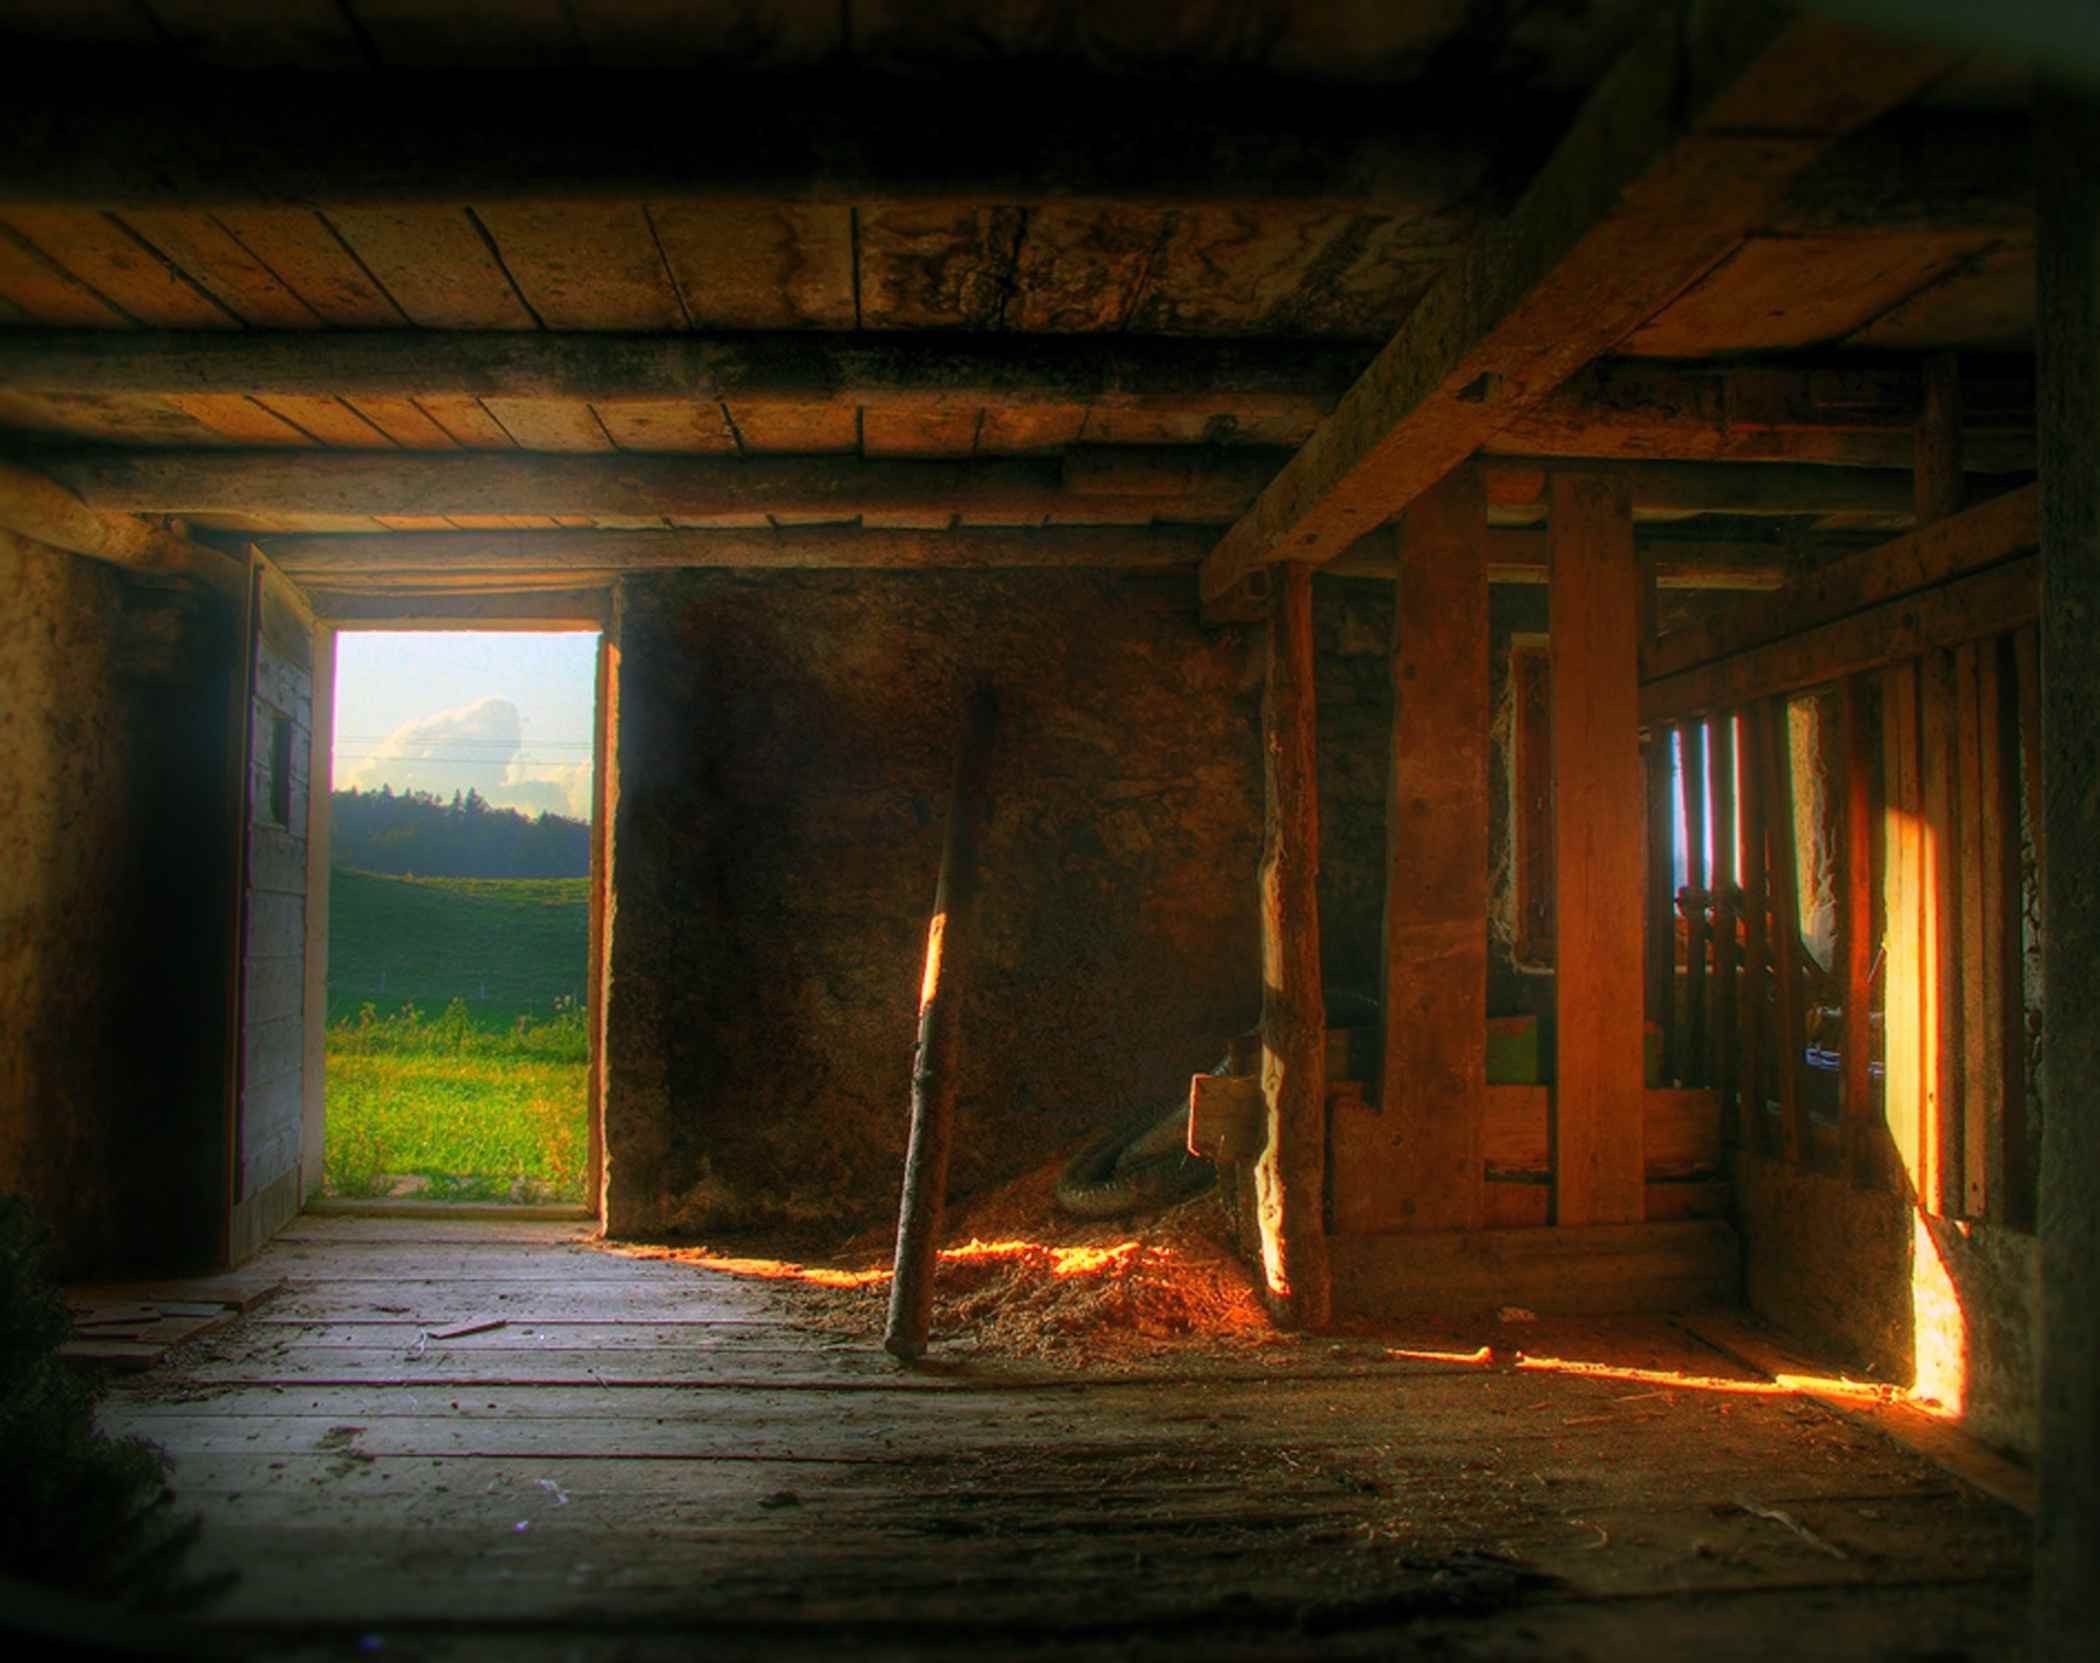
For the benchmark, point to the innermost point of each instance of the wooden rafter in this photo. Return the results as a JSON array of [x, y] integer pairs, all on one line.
[[1685, 147]]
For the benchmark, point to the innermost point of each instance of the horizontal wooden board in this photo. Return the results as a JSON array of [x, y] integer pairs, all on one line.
[[1589, 1269]]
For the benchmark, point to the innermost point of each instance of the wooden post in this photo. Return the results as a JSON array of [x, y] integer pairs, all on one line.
[[1902, 1085], [1938, 465], [937, 1063], [1692, 780], [1754, 997], [1856, 1106], [2067, 1533], [1783, 935], [1723, 1029], [1434, 1079], [1291, 1175], [1597, 830], [1939, 930], [1662, 910]]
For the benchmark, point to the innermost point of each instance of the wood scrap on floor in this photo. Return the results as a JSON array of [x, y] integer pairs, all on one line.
[[135, 1326]]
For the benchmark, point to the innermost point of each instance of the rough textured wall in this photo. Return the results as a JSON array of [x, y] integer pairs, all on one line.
[[112, 1022], [1947, 1306], [784, 744]]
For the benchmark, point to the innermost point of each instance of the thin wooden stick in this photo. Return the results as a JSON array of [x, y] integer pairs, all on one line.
[[938, 1059], [1692, 791]]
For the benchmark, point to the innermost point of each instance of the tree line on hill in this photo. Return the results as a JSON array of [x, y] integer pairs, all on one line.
[[414, 833]]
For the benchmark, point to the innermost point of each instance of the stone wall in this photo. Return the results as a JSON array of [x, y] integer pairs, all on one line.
[[784, 743], [115, 902]]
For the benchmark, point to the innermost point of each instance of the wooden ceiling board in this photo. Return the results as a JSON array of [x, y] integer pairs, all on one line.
[[405, 422], [685, 426], [1778, 293], [117, 418], [549, 423], [466, 423], [1986, 305], [122, 23], [470, 34], [240, 421], [250, 34], [585, 265], [304, 251], [1030, 430], [502, 522], [435, 264], [329, 421], [1299, 272], [938, 265], [745, 266], [944, 431], [217, 262], [414, 522], [789, 429], [666, 34], [42, 292], [104, 254]]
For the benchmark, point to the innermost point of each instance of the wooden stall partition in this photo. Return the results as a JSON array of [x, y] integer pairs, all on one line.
[[1434, 1075], [1598, 828]]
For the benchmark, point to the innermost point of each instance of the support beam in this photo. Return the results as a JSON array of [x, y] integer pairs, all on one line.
[[1097, 485], [2067, 1524], [1597, 838], [39, 508], [1434, 1078], [1687, 144], [442, 557], [1290, 1177]]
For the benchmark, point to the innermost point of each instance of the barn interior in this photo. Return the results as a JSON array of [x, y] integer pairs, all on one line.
[[1573, 526]]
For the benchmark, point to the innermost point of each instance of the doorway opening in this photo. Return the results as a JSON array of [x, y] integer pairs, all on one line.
[[465, 886]]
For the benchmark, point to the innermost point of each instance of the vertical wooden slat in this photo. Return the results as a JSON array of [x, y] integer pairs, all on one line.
[[1977, 991], [1902, 1085], [2014, 1204], [1692, 778], [1754, 999], [1938, 473], [1661, 972], [605, 714], [1783, 934], [1726, 1018], [2027, 672], [1939, 1142], [1856, 1105], [1434, 1078], [1597, 829], [1290, 1176]]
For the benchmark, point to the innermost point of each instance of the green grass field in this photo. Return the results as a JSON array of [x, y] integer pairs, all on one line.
[[457, 1045]]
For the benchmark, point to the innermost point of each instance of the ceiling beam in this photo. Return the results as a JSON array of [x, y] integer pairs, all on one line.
[[1685, 147], [1089, 485], [1003, 134], [38, 508], [464, 559]]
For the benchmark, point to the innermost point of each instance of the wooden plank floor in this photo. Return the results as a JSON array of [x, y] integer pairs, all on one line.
[[648, 1456]]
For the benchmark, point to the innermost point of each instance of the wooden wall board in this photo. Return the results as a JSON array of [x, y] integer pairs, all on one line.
[[1555, 1270]]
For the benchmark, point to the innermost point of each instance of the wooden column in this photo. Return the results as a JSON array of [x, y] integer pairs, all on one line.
[[1290, 1178], [2067, 1524], [1598, 816], [1434, 1080]]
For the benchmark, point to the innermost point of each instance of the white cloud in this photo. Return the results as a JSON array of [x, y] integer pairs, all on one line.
[[476, 745]]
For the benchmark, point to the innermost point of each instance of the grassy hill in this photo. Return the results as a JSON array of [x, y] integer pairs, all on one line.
[[507, 946]]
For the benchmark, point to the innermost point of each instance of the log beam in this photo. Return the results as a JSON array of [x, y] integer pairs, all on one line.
[[1290, 1175], [1687, 144], [39, 508]]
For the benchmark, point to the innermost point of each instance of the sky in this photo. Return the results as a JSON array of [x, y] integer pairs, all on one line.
[[508, 714]]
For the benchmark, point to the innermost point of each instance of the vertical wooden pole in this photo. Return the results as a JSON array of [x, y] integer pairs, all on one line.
[[1783, 933], [1661, 844], [1597, 830], [2067, 1522], [937, 1063], [1433, 1085], [1692, 778], [1755, 996], [1721, 752], [1856, 1106], [320, 791], [1939, 897], [1938, 438], [1979, 991], [1290, 1177], [1902, 1080]]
